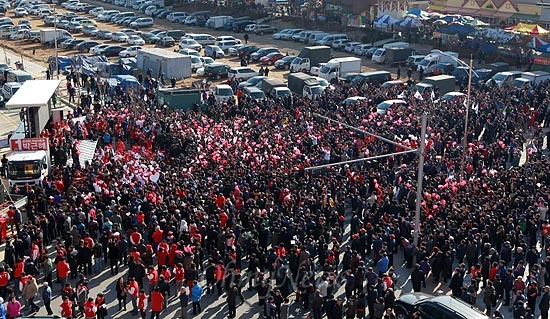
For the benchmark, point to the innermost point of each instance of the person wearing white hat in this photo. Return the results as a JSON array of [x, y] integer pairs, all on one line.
[[47, 297]]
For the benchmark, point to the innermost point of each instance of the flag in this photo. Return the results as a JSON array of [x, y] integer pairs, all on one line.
[[432, 95], [418, 96], [401, 95]]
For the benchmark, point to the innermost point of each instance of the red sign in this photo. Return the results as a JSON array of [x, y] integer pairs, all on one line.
[[29, 144], [541, 60]]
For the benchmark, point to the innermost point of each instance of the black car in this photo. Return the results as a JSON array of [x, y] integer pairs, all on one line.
[[176, 34], [348, 77], [216, 71], [167, 42], [163, 14], [256, 56], [447, 307], [85, 46], [285, 62], [150, 38], [112, 50], [247, 49], [73, 43]]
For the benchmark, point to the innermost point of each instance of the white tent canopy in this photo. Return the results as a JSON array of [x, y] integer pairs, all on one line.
[[33, 93]]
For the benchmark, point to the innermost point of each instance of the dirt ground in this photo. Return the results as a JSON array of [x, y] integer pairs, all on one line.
[[40, 53]]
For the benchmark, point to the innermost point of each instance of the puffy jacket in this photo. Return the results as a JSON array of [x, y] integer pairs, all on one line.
[[196, 293]]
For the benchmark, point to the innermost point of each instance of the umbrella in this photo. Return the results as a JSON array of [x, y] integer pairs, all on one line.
[[440, 22], [477, 23], [538, 30]]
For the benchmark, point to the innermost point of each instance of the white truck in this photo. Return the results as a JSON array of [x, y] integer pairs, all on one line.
[[310, 57], [48, 36], [29, 160], [304, 85], [218, 22], [536, 77], [340, 67], [431, 60]]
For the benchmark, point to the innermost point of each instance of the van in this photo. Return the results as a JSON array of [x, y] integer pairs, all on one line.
[[223, 93], [329, 39], [314, 37], [201, 38], [18, 76], [504, 77], [6, 21], [376, 77], [9, 89]]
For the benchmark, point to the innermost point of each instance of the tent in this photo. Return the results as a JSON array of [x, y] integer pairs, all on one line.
[[477, 23], [457, 28], [127, 81], [384, 21], [536, 42], [409, 22], [543, 48], [418, 14], [533, 29]]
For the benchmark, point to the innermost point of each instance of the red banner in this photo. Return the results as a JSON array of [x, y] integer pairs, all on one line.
[[29, 144], [541, 60]]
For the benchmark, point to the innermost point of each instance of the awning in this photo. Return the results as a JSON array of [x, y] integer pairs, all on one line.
[[467, 10], [435, 7], [504, 15], [485, 13], [451, 9], [525, 17]]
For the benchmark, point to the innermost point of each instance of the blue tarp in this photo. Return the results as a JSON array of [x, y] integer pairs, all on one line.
[[543, 48], [88, 64], [127, 81], [457, 29], [64, 64]]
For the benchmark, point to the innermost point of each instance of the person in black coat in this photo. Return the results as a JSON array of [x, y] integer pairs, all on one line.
[[544, 304], [457, 282], [507, 284], [418, 278], [113, 255]]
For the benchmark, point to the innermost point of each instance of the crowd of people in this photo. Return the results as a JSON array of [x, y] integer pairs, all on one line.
[[212, 201]]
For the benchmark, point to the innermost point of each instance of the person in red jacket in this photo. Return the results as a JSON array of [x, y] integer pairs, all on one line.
[[152, 277], [157, 237], [90, 309], [219, 274], [179, 277], [63, 269], [142, 303], [157, 300], [162, 257], [4, 281], [66, 308], [133, 291], [135, 237], [17, 271]]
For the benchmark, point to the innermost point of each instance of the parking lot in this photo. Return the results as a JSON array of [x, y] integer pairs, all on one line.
[[40, 52]]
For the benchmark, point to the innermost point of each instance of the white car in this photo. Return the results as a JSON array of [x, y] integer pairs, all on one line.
[[206, 60], [280, 35], [44, 13], [250, 27], [226, 44], [350, 46], [227, 38], [190, 44], [135, 40], [98, 48], [235, 50], [196, 63], [96, 11], [150, 10], [189, 52], [21, 12], [131, 51], [69, 2], [241, 73], [340, 44], [119, 37]]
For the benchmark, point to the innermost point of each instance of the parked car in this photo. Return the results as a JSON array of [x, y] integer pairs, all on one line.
[[90, 31], [167, 41], [142, 23], [340, 44], [112, 50], [135, 40], [20, 12], [150, 10], [447, 307], [279, 35], [256, 56], [130, 51], [85, 46], [242, 73], [350, 46], [119, 37], [362, 49], [271, 58], [104, 34], [285, 62], [63, 24], [98, 48], [252, 81], [129, 32], [213, 51], [71, 43], [206, 60], [247, 49], [264, 29], [189, 52], [370, 52], [226, 44], [74, 27], [190, 44], [216, 70], [150, 38]]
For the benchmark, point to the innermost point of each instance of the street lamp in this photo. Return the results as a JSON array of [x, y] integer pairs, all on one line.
[[467, 112]]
